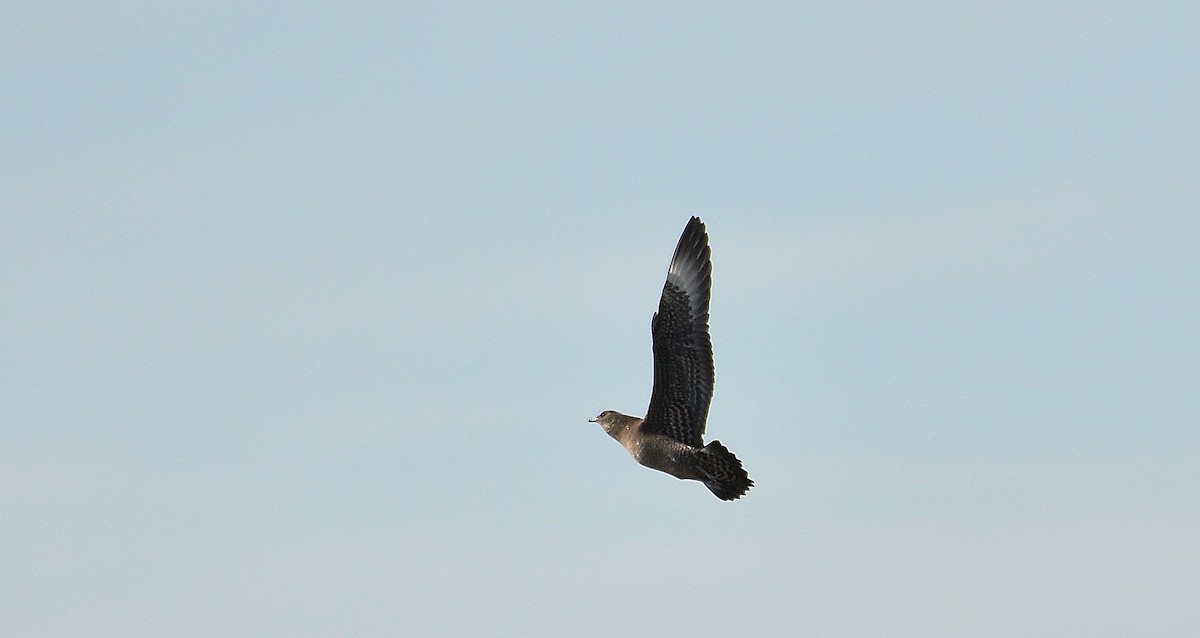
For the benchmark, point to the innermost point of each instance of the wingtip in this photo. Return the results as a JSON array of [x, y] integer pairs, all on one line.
[[691, 264], [695, 229], [692, 248]]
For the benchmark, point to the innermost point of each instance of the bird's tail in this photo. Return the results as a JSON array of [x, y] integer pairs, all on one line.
[[723, 473]]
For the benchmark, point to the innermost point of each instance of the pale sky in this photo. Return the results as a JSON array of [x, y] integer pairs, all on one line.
[[304, 312]]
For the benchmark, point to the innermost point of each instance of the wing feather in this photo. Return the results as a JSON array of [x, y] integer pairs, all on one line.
[[683, 361]]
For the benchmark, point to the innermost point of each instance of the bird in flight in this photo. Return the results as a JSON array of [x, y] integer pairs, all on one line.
[[671, 437]]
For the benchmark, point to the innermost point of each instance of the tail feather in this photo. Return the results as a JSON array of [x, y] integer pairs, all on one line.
[[724, 475]]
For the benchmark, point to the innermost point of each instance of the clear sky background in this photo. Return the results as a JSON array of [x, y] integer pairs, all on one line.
[[304, 310]]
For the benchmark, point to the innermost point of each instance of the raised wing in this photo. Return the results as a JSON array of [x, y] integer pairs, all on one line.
[[683, 362]]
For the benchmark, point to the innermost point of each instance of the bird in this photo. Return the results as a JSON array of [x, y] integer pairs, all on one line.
[[670, 438]]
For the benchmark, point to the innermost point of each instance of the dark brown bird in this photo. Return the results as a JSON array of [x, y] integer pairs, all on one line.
[[671, 437]]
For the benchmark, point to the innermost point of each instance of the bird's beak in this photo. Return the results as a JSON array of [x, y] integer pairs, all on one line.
[[592, 420]]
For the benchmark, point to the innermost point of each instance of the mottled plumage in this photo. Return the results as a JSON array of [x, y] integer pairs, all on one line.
[[671, 437]]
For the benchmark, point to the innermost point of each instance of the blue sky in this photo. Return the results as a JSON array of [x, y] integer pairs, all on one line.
[[305, 309]]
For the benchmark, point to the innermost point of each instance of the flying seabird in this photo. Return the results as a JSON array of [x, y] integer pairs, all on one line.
[[671, 437]]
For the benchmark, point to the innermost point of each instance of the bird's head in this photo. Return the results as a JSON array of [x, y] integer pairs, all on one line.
[[612, 421]]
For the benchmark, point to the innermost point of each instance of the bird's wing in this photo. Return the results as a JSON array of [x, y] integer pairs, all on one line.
[[683, 362]]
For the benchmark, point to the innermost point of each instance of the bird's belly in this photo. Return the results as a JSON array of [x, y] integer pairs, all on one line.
[[667, 455]]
